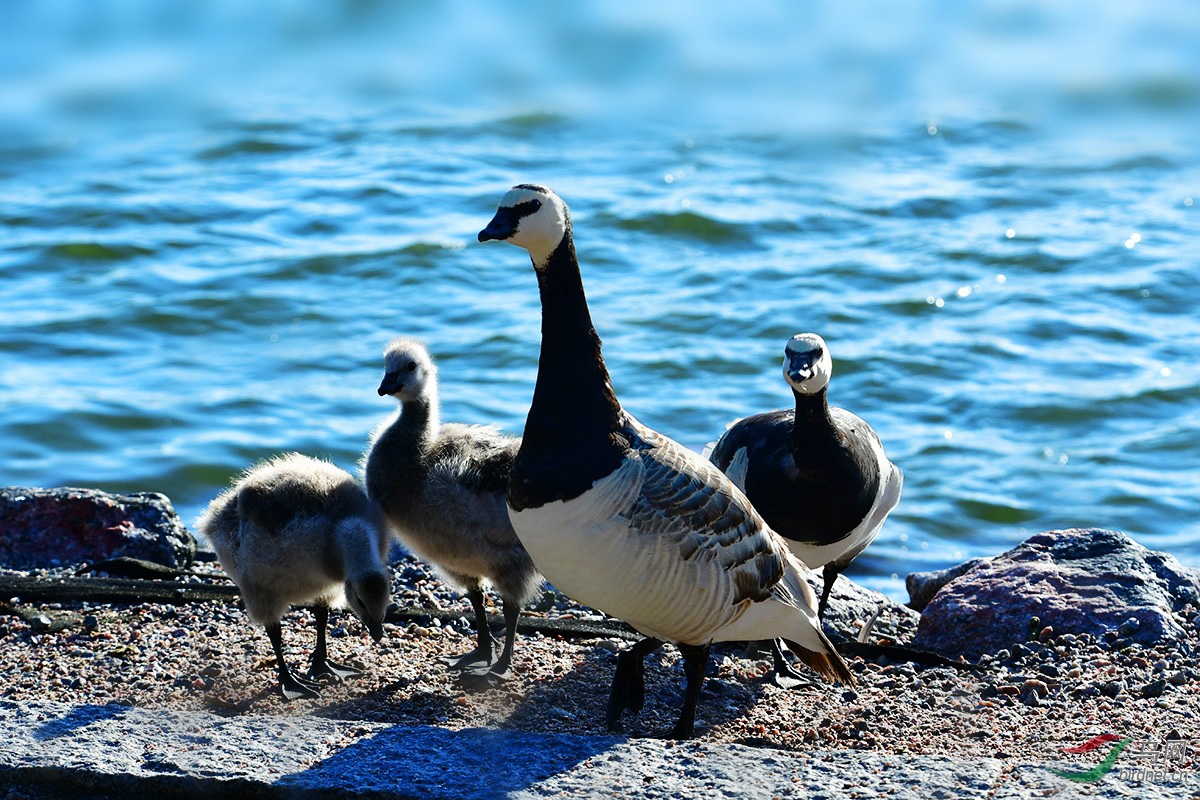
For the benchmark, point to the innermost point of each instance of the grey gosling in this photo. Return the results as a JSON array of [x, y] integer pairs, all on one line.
[[443, 489], [294, 529]]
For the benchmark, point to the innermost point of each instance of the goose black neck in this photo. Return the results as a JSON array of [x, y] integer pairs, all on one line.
[[812, 417], [573, 391], [570, 438]]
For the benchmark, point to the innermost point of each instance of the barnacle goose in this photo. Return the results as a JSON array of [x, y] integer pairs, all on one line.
[[622, 518], [818, 475]]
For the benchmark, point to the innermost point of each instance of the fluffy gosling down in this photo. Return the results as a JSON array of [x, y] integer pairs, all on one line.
[[818, 475], [295, 529], [626, 520], [442, 487]]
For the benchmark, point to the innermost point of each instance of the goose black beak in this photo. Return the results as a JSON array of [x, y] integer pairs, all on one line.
[[502, 226], [375, 628], [800, 367]]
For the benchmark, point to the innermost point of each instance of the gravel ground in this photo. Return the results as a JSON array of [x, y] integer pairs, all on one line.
[[1054, 691]]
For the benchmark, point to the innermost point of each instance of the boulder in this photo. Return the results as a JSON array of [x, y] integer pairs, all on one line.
[[922, 586], [1079, 581], [851, 605], [42, 528]]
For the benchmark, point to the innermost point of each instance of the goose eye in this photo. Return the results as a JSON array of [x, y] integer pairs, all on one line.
[[410, 366]]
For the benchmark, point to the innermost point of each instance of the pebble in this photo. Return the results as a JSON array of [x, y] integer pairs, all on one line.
[[560, 684], [1129, 627]]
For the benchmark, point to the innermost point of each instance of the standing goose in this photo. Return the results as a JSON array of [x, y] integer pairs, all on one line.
[[295, 529], [625, 520], [442, 488], [818, 475]]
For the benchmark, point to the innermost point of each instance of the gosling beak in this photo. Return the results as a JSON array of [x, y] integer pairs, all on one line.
[[392, 383], [375, 628], [502, 226]]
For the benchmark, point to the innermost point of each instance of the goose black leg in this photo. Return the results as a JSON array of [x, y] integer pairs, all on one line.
[[629, 682], [786, 676], [481, 656], [695, 661], [291, 685], [321, 665], [831, 573]]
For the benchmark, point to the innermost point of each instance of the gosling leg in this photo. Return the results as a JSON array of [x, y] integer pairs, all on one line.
[[481, 656], [501, 670], [291, 685], [321, 665]]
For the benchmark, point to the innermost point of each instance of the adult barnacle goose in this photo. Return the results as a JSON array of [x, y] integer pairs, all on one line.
[[295, 529], [626, 520], [443, 489], [818, 475]]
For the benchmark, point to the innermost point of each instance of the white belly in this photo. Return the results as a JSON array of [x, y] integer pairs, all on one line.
[[589, 552]]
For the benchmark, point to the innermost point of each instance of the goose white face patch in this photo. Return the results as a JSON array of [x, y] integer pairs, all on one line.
[[541, 229], [807, 365]]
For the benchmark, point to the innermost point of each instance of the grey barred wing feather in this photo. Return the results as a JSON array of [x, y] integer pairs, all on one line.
[[688, 500]]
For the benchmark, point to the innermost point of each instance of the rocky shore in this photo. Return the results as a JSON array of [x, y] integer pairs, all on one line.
[[1071, 635]]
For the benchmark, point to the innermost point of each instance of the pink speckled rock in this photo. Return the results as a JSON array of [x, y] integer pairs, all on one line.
[[58, 527], [1076, 581]]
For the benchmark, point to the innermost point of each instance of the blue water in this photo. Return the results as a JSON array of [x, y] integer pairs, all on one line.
[[211, 222]]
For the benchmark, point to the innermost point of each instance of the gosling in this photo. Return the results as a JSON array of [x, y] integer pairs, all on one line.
[[443, 489], [294, 529]]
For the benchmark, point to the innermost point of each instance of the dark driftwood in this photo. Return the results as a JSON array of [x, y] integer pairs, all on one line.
[[132, 591]]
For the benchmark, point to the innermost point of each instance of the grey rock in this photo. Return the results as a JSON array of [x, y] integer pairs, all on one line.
[[851, 604], [1079, 581], [54, 750], [922, 586], [46, 527]]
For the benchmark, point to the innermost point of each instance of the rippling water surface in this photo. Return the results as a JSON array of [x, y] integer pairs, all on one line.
[[1010, 298]]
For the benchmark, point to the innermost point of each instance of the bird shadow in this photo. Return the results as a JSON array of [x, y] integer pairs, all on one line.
[[432, 762], [576, 701], [78, 717]]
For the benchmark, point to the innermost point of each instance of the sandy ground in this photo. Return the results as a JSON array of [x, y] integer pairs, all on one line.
[[1027, 703]]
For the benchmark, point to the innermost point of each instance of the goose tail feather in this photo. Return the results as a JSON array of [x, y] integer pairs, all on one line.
[[829, 664]]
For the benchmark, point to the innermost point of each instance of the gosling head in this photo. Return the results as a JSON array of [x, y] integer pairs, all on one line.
[[807, 364], [532, 217], [408, 371], [369, 596]]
